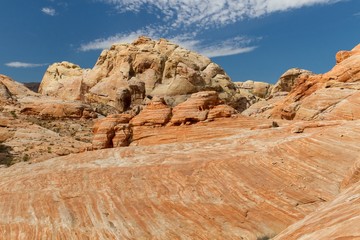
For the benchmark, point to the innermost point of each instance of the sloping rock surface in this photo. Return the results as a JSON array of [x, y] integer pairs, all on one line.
[[333, 95], [337, 220], [216, 180]]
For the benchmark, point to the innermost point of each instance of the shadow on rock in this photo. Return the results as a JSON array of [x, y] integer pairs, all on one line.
[[6, 158]]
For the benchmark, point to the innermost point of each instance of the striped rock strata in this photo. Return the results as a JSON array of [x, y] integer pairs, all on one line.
[[215, 180]]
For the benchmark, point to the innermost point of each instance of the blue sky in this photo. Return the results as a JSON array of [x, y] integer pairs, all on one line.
[[250, 39]]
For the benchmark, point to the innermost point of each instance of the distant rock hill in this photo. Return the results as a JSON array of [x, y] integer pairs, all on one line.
[[329, 96], [128, 75]]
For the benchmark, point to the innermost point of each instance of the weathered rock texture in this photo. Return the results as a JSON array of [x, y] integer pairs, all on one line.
[[333, 95], [155, 113], [201, 106], [196, 108], [26, 140], [112, 131], [64, 80], [34, 127], [259, 89], [217, 180], [288, 80], [126, 74], [52, 108], [337, 220], [11, 90]]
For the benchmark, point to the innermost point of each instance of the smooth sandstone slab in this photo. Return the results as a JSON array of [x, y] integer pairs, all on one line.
[[220, 180]]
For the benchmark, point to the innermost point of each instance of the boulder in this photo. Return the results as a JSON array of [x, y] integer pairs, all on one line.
[[155, 113], [221, 111], [259, 89], [289, 79], [195, 109], [64, 80], [11, 88], [342, 55], [112, 131]]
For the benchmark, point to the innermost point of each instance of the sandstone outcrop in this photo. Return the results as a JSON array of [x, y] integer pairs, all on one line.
[[200, 107], [23, 140], [112, 131], [126, 74], [288, 80], [196, 108], [11, 90], [221, 111], [155, 113], [333, 95], [65, 81], [52, 108], [329, 96], [259, 89]]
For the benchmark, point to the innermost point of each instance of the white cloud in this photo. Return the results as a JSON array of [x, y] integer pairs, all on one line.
[[226, 47], [182, 21], [49, 11], [24, 65], [210, 13]]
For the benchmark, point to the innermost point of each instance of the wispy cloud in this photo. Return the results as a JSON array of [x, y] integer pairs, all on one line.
[[183, 21], [49, 11], [210, 13], [226, 47], [24, 65], [357, 14]]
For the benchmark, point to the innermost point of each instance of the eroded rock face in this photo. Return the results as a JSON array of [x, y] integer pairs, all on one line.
[[155, 113], [288, 80], [140, 69], [64, 80], [112, 131], [52, 108], [196, 108], [259, 89], [352, 177], [333, 95], [12, 90]]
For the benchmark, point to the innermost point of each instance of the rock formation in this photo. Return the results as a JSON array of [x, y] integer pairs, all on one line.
[[112, 131], [126, 74], [200, 107], [64, 80], [288, 80], [259, 89], [155, 113], [189, 166], [333, 95]]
